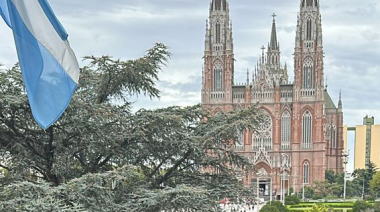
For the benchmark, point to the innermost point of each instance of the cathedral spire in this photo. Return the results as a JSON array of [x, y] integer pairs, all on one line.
[[219, 5], [340, 100], [273, 38]]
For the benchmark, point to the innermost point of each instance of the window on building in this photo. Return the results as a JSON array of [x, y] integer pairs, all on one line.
[[333, 137], [217, 33], [308, 74], [306, 172], [240, 141], [308, 29], [306, 130], [263, 136], [218, 76], [286, 125]]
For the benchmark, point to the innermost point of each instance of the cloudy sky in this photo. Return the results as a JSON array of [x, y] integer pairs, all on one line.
[[126, 28]]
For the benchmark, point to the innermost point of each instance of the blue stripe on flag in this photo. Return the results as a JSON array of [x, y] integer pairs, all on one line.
[[53, 19], [4, 12], [48, 86]]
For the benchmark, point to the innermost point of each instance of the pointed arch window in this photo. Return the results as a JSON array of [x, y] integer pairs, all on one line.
[[286, 125], [240, 141], [307, 130], [217, 32], [218, 77], [263, 135], [333, 137], [308, 74], [306, 172], [308, 29]]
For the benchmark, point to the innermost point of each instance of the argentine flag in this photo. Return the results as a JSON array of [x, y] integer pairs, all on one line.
[[49, 67]]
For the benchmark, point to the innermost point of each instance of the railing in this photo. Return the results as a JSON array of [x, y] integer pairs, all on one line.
[[263, 96], [217, 95], [308, 44], [286, 96], [307, 92], [306, 146], [239, 147], [285, 146], [238, 94]]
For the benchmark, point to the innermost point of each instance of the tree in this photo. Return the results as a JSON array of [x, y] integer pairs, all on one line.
[[365, 176], [330, 176], [309, 192], [374, 184], [361, 206], [292, 200], [101, 157]]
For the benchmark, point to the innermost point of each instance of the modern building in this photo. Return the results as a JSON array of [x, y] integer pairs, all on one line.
[[302, 135], [367, 143]]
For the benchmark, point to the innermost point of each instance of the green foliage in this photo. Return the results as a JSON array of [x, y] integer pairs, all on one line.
[[278, 205], [363, 178], [330, 176], [374, 184], [292, 200], [269, 208], [376, 207], [361, 206], [318, 208], [309, 192], [101, 157]]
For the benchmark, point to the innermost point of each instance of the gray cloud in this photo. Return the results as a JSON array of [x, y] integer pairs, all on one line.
[[127, 28]]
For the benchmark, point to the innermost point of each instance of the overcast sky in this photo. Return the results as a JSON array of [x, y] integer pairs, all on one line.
[[126, 28]]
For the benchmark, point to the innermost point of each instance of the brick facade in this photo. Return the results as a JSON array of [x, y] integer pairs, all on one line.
[[306, 100]]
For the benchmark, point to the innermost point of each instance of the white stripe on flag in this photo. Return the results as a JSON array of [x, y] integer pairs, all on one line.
[[39, 25]]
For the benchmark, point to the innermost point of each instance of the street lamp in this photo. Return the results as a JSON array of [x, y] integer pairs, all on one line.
[[303, 189], [345, 157]]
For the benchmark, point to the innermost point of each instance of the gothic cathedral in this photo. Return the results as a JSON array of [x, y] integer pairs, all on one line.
[[302, 133]]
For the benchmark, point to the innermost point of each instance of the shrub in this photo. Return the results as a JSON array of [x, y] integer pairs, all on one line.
[[318, 208], [377, 207], [269, 208], [278, 205], [292, 200], [317, 196], [361, 206]]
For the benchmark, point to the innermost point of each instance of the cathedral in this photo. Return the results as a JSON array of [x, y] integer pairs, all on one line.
[[301, 135]]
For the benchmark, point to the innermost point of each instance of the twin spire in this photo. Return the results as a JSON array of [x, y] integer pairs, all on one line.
[[273, 39]]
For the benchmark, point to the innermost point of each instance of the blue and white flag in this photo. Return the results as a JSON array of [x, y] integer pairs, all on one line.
[[49, 67]]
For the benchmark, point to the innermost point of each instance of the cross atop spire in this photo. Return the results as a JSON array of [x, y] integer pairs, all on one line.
[[273, 37], [274, 16]]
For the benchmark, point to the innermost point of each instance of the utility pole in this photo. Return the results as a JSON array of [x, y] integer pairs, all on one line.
[[345, 156]]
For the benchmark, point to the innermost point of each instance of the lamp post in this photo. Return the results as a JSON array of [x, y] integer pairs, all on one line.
[[345, 157], [283, 188], [303, 190]]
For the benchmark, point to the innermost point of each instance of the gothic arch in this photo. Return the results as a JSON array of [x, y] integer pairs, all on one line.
[[216, 111], [218, 75], [286, 107], [263, 165], [263, 136], [286, 130], [309, 108], [267, 110], [306, 164]]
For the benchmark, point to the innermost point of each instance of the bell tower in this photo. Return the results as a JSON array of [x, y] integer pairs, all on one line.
[[308, 56], [218, 69]]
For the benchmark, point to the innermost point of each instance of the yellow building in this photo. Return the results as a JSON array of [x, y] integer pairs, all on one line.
[[367, 143]]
